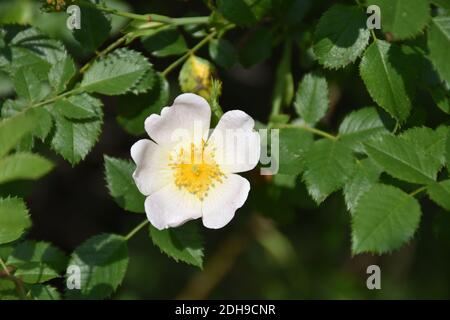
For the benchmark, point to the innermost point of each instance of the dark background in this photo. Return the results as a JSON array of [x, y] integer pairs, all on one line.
[[280, 244]]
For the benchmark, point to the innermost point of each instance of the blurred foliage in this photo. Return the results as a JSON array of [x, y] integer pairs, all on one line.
[[282, 244]]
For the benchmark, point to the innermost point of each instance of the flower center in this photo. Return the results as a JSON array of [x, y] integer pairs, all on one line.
[[195, 170]]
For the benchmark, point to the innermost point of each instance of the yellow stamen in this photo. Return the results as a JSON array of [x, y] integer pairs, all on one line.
[[197, 177]]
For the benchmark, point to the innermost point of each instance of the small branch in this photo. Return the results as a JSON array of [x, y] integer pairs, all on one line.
[[310, 129], [105, 51], [17, 282], [111, 47], [5, 268], [396, 127], [124, 14], [65, 94], [148, 18], [136, 229], [216, 91], [417, 191], [190, 20], [155, 17], [180, 60], [282, 75]]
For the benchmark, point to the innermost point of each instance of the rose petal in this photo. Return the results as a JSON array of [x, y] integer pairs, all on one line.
[[171, 207], [188, 118], [219, 206], [152, 169], [236, 144]]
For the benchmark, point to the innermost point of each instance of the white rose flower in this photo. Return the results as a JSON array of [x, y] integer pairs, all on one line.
[[185, 173]]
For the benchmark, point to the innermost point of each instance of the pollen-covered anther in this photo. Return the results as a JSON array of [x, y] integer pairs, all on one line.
[[192, 175], [196, 171], [56, 5]]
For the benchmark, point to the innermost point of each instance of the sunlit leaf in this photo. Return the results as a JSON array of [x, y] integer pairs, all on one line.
[[403, 18], [341, 36], [311, 101], [385, 218], [389, 78], [328, 166], [117, 73], [23, 166], [14, 219]]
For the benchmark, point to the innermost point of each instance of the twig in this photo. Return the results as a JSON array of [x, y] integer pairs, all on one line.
[[417, 191], [310, 129], [180, 60], [17, 282], [136, 229], [155, 17], [105, 51]]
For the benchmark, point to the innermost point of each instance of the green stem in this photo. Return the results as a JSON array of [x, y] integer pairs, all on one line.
[[111, 47], [5, 268], [43, 103], [283, 79], [134, 16], [216, 91], [310, 129], [155, 17], [136, 229], [17, 282], [65, 94], [180, 60], [419, 190], [396, 127], [105, 51], [83, 69], [190, 20]]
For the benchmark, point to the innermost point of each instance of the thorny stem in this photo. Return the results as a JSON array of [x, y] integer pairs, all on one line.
[[136, 229]]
